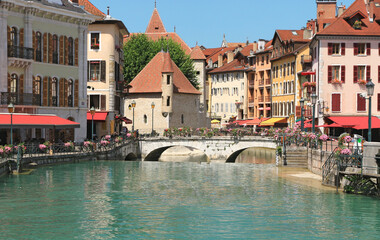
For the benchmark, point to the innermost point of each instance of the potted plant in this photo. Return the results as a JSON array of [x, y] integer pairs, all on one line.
[[357, 24]]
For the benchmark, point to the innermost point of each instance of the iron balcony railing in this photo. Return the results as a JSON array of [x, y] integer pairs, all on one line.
[[28, 99], [20, 52]]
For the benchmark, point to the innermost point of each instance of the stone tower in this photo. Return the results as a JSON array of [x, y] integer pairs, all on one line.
[[167, 85]]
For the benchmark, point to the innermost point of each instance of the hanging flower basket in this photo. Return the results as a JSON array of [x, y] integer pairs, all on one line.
[[362, 82]]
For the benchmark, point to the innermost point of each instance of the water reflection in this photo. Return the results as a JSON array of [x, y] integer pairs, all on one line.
[[257, 156]]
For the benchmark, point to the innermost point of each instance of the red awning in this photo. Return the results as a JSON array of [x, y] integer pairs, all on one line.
[[124, 119], [240, 122], [98, 116], [35, 121], [331, 125], [356, 122], [305, 121], [255, 122], [307, 73]]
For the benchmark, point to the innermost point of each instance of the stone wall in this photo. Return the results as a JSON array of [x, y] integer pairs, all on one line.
[[369, 162], [316, 159]]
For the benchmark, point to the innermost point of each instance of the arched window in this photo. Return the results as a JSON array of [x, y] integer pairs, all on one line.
[[70, 48], [13, 88], [70, 93], [37, 91], [55, 49], [38, 47], [14, 37], [54, 91], [182, 119], [145, 119]]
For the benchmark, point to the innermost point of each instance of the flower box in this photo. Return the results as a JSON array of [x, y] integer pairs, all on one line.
[[95, 46], [336, 81]]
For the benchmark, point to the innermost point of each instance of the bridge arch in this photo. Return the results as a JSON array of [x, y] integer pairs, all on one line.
[[234, 155], [131, 157], [156, 154]]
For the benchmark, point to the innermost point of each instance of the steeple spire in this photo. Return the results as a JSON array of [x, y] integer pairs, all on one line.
[[155, 24], [155, 3]]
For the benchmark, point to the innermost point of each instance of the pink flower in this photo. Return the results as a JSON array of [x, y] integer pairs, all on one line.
[[42, 146], [87, 143], [1, 150], [129, 135], [346, 151], [347, 139], [107, 137], [324, 137]]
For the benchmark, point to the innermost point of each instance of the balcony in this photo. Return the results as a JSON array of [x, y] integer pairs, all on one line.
[[27, 99], [261, 82], [305, 59], [267, 82], [20, 52], [307, 111], [261, 99]]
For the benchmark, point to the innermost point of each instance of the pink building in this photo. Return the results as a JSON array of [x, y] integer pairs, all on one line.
[[346, 55]]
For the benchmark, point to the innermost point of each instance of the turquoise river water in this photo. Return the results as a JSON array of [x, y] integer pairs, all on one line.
[[156, 200]]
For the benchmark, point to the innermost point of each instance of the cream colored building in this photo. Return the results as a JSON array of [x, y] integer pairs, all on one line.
[[43, 49], [105, 74]]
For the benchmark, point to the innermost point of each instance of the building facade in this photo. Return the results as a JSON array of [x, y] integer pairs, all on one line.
[[43, 49]]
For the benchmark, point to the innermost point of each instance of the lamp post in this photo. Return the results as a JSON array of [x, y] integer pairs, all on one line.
[[370, 88], [133, 108], [152, 105], [302, 103], [92, 111], [11, 109], [314, 101]]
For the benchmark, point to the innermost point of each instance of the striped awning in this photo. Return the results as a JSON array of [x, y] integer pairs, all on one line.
[[272, 121]]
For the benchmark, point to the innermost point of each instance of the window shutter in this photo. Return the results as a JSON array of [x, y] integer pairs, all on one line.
[[9, 37], [66, 93], [76, 51], [21, 37], [355, 74], [343, 73], [103, 71], [50, 92], [34, 40], [343, 49], [88, 71], [368, 49], [45, 91], [9, 83], [356, 49], [330, 48], [50, 48], [378, 102], [329, 78], [21, 84], [66, 51], [45, 48], [361, 105], [378, 74], [335, 105], [368, 68], [61, 48], [61, 92], [76, 93], [103, 102]]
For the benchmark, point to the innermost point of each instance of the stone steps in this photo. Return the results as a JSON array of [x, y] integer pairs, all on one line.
[[297, 158]]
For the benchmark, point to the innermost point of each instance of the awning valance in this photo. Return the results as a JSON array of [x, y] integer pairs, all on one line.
[[98, 116], [256, 121], [356, 122], [272, 121], [35, 121]]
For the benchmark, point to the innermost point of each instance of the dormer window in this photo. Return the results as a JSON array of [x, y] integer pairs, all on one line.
[[168, 79]]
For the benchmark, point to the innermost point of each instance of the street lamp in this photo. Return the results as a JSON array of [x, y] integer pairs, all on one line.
[[302, 103], [92, 111], [152, 105], [314, 101], [133, 108], [370, 88], [11, 109]]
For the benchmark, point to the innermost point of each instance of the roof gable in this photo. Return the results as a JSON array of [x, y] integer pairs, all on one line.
[[149, 79], [197, 54], [155, 24], [89, 7]]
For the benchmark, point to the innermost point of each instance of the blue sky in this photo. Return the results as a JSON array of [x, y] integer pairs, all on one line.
[[205, 21]]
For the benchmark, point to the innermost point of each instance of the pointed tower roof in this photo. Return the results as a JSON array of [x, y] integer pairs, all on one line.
[[155, 24], [197, 54], [149, 79]]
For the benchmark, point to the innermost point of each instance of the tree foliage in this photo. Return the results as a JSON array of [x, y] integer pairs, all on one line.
[[139, 50]]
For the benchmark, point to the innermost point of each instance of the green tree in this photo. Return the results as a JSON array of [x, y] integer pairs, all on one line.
[[139, 50]]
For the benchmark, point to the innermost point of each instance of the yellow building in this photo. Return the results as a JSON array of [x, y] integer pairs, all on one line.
[[288, 48]]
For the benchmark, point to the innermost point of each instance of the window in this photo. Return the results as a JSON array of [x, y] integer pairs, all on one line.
[[336, 73], [70, 48], [55, 49], [362, 49], [95, 101], [335, 48], [168, 79], [37, 85], [335, 102], [221, 107], [361, 73], [226, 107], [70, 93], [97, 71], [54, 92], [288, 69], [95, 40], [145, 119], [168, 101], [14, 37], [361, 103], [38, 47], [13, 83], [182, 119]]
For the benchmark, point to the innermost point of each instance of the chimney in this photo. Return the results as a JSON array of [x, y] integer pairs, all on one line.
[[108, 10], [307, 34], [341, 9], [254, 46], [230, 56], [261, 44], [220, 60], [326, 9]]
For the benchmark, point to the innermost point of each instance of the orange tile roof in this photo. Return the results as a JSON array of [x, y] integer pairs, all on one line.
[[246, 51], [197, 54], [341, 27], [234, 66], [210, 51], [174, 36], [222, 51], [235, 45], [287, 35], [268, 45], [155, 24], [149, 79], [89, 7]]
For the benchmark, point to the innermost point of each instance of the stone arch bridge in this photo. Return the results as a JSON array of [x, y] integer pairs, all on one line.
[[217, 148]]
